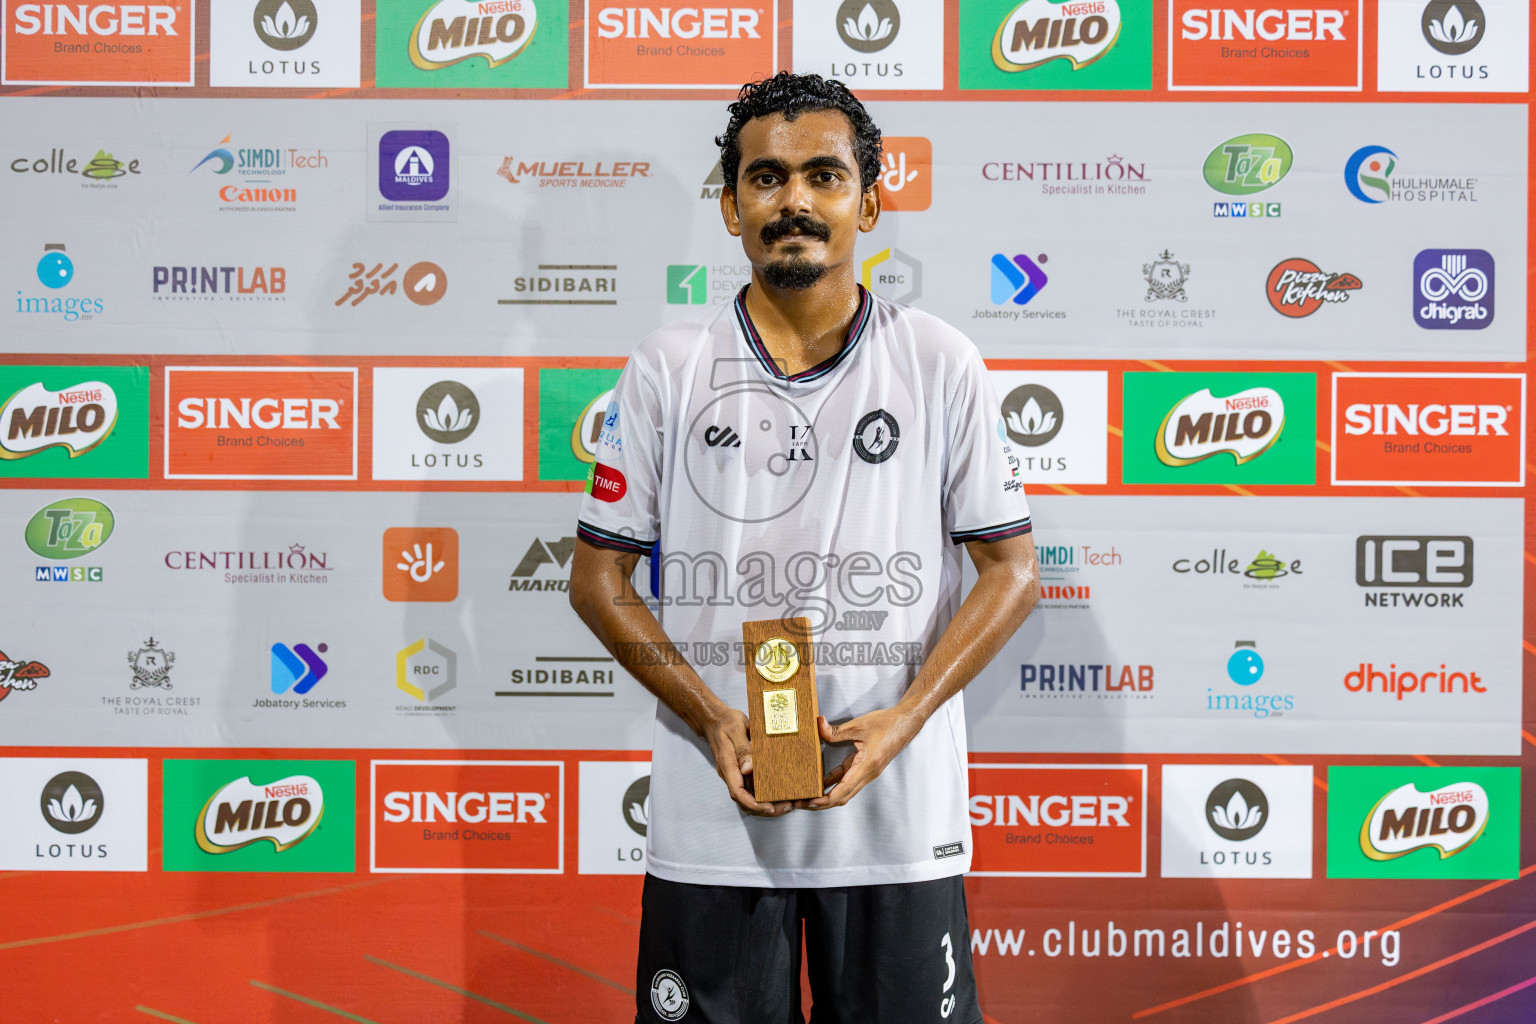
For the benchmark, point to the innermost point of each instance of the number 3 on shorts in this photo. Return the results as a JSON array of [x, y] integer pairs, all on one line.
[[947, 1003]]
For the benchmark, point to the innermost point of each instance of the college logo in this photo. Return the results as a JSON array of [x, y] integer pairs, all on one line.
[[426, 670], [250, 815], [69, 528], [650, 47], [1368, 174], [421, 563], [1046, 819], [1423, 822], [1426, 564], [472, 43], [109, 42], [1298, 288], [1407, 429], [151, 665], [1453, 26], [414, 165], [1264, 567], [1248, 164], [100, 171], [72, 803], [615, 815], [876, 437], [906, 174], [468, 817], [1453, 289], [1284, 45], [573, 404], [1016, 280], [1237, 821], [1182, 427], [892, 274], [260, 423]]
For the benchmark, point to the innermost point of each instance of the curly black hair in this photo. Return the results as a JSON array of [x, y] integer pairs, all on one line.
[[793, 95]]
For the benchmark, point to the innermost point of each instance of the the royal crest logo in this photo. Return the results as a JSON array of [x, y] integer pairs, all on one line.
[[1448, 819], [456, 30], [1202, 425], [1038, 31], [240, 813], [76, 419], [151, 666], [1165, 278]]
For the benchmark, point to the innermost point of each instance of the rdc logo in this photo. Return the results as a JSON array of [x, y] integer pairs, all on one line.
[[1453, 289]]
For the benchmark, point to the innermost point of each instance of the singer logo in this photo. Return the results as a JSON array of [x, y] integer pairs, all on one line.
[[1448, 429], [1051, 819], [650, 46], [1285, 44], [101, 43], [260, 423], [468, 817]]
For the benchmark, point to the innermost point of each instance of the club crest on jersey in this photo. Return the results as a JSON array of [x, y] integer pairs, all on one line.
[[669, 996], [876, 437]]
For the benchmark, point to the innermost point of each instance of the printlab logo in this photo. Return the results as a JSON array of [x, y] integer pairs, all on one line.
[[868, 26], [72, 803], [1165, 277], [1453, 289], [421, 563], [426, 670], [1032, 415], [20, 675], [1237, 810], [1017, 280], [424, 282], [892, 274], [285, 24], [297, 668], [1298, 287], [151, 665], [1368, 174], [413, 165], [1453, 26], [448, 412]]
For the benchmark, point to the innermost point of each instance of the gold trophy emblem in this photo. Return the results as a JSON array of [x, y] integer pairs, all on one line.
[[777, 660]]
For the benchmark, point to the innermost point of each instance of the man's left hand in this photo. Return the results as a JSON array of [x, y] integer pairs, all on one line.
[[877, 738]]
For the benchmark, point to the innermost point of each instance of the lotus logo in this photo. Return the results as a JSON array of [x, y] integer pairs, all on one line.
[[1448, 819], [285, 24], [1032, 415], [1453, 26], [72, 802], [868, 25], [1237, 810], [448, 412], [1201, 425], [637, 805]]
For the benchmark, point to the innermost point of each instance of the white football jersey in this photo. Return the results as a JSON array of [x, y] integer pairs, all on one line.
[[843, 494]]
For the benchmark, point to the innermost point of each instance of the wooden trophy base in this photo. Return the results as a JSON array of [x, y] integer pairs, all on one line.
[[781, 703]]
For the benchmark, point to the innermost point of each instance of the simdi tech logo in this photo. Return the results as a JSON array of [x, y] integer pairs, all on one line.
[[1292, 45], [85, 422], [1059, 819], [1417, 822], [252, 815], [1220, 428], [108, 42], [456, 44], [1055, 44], [659, 46], [255, 423], [1445, 429]]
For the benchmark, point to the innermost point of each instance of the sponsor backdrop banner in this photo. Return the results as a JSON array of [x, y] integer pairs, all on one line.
[[316, 309]]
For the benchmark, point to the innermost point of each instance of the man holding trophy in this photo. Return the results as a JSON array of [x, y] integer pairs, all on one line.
[[811, 459]]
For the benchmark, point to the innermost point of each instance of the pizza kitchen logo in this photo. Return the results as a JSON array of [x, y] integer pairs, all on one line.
[[1201, 425], [1298, 287]]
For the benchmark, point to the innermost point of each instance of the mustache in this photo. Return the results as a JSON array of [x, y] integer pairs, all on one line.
[[799, 224]]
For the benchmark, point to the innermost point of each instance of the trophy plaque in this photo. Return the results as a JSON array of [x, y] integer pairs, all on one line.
[[781, 703]]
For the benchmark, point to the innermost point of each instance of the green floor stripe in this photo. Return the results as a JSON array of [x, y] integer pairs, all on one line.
[[317, 1004], [163, 1016], [556, 960], [466, 993]]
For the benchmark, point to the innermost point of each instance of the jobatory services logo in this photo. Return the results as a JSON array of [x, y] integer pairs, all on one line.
[[650, 46], [1018, 279], [1203, 428], [1291, 45], [254, 423], [108, 42], [101, 172], [1453, 46], [893, 274], [219, 284], [421, 563], [1419, 822], [1059, 820], [1429, 429], [56, 272], [573, 404], [250, 815], [871, 44], [285, 44], [20, 674], [423, 283], [1414, 571], [74, 814], [1297, 287], [1453, 289], [614, 809], [1237, 821], [74, 421], [426, 670], [298, 668], [1055, 44], [468, 817], [457, 44]]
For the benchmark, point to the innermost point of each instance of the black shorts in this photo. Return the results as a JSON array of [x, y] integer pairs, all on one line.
[[723, 954]]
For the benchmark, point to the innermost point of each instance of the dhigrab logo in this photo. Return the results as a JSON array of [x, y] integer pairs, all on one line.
[[1453, 289]]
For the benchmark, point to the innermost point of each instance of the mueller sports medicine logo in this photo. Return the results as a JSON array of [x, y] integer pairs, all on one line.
[[455, 30], [1201, 425], [283, 813], [647, 45], [1058, 819], [260, 423], [1277, 45], [573, 173], [1413, 572], [1448, 429], [1453, 289], [101, 43], [1038, 31], [468, 817], [76, 419]]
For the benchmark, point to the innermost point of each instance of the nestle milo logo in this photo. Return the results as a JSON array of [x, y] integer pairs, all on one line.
[[69, 528]]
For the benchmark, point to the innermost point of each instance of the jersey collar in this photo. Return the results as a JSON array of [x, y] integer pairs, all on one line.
[[856, 329]]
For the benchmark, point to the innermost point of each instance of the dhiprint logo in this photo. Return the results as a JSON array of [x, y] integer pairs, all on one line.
[[1248, 164], [297, 668], [1453, 289], [1237, 810], [448, 412], [1039, 31], [1016, 280], [1368, 174], [1032, 415], [421, 563], [1298, 287], [285, 24], [1453, 26], [72, 803], [868, 26], [414, 165]]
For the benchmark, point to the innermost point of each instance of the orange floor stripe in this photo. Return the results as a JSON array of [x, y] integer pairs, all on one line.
[[1479, 1004]]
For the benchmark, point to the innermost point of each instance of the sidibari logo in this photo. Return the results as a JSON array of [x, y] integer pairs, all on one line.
[[69, 528], [1038, 31], [455, 30], [284, 813], [1248, 164], [1201, 425], [77, 419], [1448, 819]]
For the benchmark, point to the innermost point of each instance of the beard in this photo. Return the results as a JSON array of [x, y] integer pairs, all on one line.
[[795, 272]]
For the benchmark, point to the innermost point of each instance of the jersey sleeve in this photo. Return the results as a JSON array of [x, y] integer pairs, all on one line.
[[620, 509], [983, 489]]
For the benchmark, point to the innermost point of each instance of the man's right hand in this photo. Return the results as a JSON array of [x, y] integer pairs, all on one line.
[[730, 741]]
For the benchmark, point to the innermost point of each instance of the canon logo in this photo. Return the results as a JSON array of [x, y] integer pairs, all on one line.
[[507, 808], [97, 20], [1226, 23], [263, 413], [1088, 811], [1434, 419], [677, 23]]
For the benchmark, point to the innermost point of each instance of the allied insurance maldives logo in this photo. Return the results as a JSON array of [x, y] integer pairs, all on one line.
[[101, 43], [1295, 45], [256, 423]]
